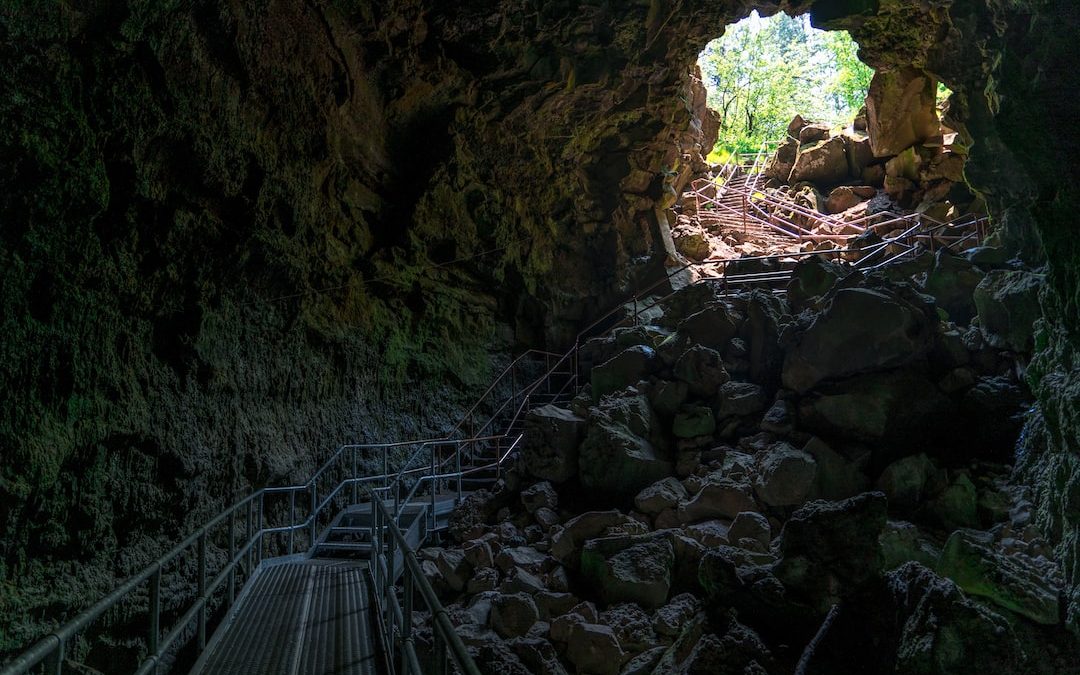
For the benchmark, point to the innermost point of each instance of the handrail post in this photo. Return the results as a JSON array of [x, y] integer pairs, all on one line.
[[635, 311], [314, 517], [386, 466], [457, 469], [247, 541], [292, 520], [232, 556], [355, 485], [155, 612], [201, 639], [438, 650], [56, 664], [406, 620], [259, 555], [433, 486]]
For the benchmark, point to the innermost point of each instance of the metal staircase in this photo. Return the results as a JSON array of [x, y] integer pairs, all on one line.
[[321, 577]]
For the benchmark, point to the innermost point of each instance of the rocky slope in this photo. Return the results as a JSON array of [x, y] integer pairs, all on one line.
[[233, 233], [749, 467]]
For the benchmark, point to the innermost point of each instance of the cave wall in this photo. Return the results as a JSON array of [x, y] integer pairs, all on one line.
[[237, 234]]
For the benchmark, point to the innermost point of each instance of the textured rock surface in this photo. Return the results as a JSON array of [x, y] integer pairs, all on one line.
[[173, 167]]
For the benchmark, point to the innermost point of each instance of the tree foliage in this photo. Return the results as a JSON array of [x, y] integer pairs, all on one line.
[[763, 72]]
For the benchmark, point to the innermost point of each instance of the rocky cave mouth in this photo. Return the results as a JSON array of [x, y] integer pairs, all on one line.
[[806, 409]]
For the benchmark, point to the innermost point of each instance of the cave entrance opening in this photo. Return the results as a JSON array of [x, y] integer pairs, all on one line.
[[762, 72], [808, 148]]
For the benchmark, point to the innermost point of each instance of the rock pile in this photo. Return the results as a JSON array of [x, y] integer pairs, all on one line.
[[745, 463]]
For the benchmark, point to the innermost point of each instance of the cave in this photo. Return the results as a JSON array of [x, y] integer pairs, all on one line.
[[395, 312]]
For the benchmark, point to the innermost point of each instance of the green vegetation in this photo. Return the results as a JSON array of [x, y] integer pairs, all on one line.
[[763, 72]]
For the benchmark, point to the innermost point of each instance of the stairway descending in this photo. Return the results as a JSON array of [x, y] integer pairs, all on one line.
[[306, 617]]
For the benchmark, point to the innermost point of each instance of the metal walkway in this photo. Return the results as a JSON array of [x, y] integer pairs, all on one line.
[[306, 617], [321, 577]]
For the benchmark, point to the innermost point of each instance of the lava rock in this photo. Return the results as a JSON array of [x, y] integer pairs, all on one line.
[[550, 449], [628, 569]]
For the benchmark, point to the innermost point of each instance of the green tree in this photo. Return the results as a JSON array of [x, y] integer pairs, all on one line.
[[763, 72]]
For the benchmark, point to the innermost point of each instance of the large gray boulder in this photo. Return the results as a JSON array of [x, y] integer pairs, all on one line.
[[616, 457], [822, 162], [622, 370], [719, 498], [952, 281], [860, 330], [901, 110], [1009, 581], [630, 569], [702, 369], [550, 446], [893, 408], [513, 615], [593, 648], [785, 476], [1008, 305], [942, 632], [828, 549]]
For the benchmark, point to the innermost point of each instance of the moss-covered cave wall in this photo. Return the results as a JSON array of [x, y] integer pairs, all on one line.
[[233, 235]]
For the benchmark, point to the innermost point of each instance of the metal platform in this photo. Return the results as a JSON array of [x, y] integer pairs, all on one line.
[[298, 617]]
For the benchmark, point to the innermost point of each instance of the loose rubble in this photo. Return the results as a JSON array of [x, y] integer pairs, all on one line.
[[746, 463]]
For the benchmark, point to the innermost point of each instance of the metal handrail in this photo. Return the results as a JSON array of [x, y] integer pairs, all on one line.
[[53, 646], [397, 615]]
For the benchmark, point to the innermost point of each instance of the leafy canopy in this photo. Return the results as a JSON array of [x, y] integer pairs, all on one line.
[[763, 72]]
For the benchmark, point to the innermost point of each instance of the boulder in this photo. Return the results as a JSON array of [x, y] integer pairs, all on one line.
[[901, 110], [702, 369], [910, 481], [751, 525], [593, 648], [902, 543], [860, 330], [629, 569], [569, 539], [764, 315], [890, 409], [659, 496], [552, 438], [785, 476], [483, 579], [1008, 581], [694, 421], [941, 632], [712, 327], [814, 132], [719, 498], [622, 370], [538, 655], [539, 495], [513, 615], [739, 399], [618, 462], [829, 549], [454, 569], [632, 625], [952, 281], [693, 242], [841, 199], [837, 476], [708, 533], [671, 618], [780, 165], [667, 397], [812, 277], [822, 162], [860, 154], [957, 506], [1008, 305]]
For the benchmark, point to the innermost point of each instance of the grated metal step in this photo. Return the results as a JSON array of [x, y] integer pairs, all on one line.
[[297, 618]]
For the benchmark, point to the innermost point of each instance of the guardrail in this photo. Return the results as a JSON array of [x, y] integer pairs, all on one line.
[[397, 615], [342, 470]]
